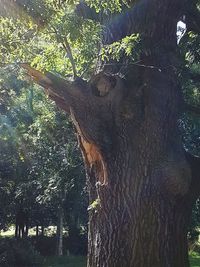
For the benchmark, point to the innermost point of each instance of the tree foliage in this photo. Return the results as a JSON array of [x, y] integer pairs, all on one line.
[[40, 161]]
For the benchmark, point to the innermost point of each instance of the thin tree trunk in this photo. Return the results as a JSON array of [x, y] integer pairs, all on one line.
[[16, 230], [37, 230], [42, 230], [59, 249], [26, 230]]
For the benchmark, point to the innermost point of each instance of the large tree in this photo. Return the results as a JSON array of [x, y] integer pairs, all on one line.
[[141, 182]]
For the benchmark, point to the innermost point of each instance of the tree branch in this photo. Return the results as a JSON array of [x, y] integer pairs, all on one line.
[[140, 18], [65, 43], [92, 105], [67, 47]]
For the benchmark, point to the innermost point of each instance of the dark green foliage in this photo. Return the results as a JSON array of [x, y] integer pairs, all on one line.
[[75, 244], [18, 253], [194, 229], [40, 164], [66, 261], [195, 259], [46, 246]]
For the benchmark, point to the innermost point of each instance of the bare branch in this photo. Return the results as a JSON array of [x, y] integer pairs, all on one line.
[[67, 47], [65, 43]]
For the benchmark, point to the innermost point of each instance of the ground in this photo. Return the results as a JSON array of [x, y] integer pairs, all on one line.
[[81, 261], [195, 259], [78, 261], [66, 261]]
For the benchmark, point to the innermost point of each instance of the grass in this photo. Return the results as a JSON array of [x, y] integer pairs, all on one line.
[[74, 261], [65, 261], [194, 259]]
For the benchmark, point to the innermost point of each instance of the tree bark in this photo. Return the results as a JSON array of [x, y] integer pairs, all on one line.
[[139, 214], [140, 181]]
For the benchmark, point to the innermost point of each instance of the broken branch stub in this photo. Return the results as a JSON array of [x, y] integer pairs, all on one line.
[[66, 94], [92, 113]]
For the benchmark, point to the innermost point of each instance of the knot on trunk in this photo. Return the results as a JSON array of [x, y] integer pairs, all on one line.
[[174, 177], [102, 84]]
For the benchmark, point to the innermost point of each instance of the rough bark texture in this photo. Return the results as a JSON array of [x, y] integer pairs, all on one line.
[[141, 183], [138, 180]]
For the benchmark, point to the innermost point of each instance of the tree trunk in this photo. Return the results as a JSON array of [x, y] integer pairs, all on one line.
[[137, 223], [139, 180], [139, 207], [26, 230], [16, 230], [42, 230], [37, 230], [59, 248]]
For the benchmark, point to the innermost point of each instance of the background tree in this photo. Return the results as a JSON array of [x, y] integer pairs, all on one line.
[[37, 172]]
